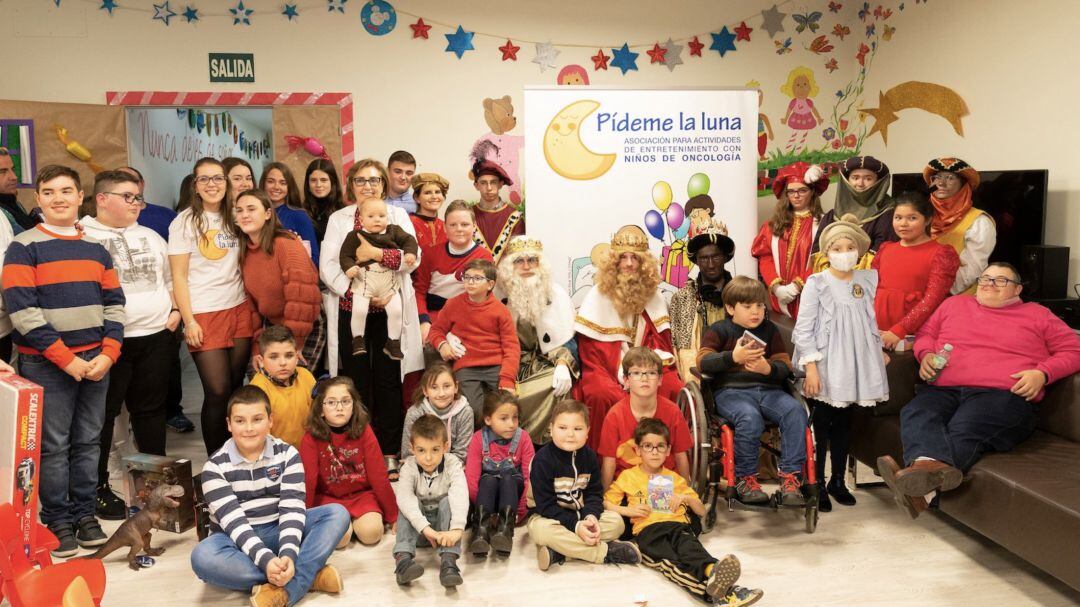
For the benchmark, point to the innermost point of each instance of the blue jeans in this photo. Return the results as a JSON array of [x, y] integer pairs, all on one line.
[[219, 561], [747, 409], [408, 537], [73, 413], [957, 425]]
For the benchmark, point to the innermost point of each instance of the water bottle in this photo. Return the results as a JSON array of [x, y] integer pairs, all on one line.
[[939, 360]]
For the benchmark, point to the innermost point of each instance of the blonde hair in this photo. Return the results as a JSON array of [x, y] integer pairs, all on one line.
[[788, 87], [629, 298]]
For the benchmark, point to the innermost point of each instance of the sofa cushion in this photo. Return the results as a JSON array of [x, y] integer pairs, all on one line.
[[1059, 411]]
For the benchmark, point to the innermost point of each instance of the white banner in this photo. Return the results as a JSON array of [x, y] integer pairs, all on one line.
[[597, 159]]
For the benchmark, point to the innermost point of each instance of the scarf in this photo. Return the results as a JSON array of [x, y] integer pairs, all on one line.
[[709, 293], [950, 211], [866, 206]]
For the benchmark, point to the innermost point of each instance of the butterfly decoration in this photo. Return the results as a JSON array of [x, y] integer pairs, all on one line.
[[870, 30], [861, 55], [820, 45], [901, 7], [888, 33], [840, 31], [831, 66], [877, 12], [783, 48], [864, 12], [834, 7], [807, 21], [886, 14]]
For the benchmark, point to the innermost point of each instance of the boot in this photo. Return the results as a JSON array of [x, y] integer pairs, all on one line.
[[839, 491], [824, 504], [503, 540], [480, 545]]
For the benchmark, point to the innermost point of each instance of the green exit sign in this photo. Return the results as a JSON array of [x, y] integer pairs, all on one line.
[[232, 67]]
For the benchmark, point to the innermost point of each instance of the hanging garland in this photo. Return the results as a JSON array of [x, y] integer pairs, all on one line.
[[217, 123]]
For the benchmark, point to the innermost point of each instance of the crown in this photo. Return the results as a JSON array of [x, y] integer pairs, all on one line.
[[522, 243], [630, 238]]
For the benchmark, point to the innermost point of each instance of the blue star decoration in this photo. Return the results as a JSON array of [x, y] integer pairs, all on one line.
[[624, 58], [191, 14], [723, 42], [108, 5], [241, 14], [459, 42], [163, 13], [336, 5], [290, 11]]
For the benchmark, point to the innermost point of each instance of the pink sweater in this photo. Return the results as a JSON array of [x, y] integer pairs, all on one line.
[[990, 344], [522, 461]]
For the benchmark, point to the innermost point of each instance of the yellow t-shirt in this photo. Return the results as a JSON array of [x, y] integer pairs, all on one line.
[[290, 406], [639, 487]]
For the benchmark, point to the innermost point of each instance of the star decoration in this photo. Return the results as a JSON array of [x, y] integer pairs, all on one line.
[[336, 5], [723, 42], [695, 47], [624, 58], [241, 14], [459, 42], [57, 3], [108, 5], [290, 12], [509, 51], [163, 13], [656, 54], [191, 14], [545, 56], [420, 29], [772, 21], [742, 32], [673, 56], [600, 60]]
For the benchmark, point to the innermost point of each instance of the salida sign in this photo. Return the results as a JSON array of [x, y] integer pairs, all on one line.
[[232, 67]]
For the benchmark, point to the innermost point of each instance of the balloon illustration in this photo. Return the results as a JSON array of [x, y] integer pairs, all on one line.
[[661, 195], [675, 216], [654, 223], [680, 232], [698, 184]]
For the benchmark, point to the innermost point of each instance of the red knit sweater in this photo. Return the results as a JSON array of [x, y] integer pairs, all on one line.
[[283, 287], [348, 471], [488, 332]]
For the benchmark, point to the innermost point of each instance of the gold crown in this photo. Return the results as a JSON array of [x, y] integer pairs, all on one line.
[[630, 238], [523, 243]]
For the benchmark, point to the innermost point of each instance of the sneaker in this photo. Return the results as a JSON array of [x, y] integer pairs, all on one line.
[[359, 348], [449, 574], [180, 424], [68, 545], [89, 533], [328, 580], [791, 489], [109, 506], [739, 596], [724, 574], [622, 553], [406, 570], [269, 595], [546, 557], [392, 349], [749, 490]]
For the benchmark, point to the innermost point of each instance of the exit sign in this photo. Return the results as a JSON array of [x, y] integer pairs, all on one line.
[[232, 67]]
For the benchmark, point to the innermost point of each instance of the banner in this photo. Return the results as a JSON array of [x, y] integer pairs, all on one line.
[[673, 162]]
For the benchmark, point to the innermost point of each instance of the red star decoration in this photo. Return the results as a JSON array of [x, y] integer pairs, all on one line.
[[600, 60], [742, 32], [696, 46], [420, 29], [509, 51], [656, 55]]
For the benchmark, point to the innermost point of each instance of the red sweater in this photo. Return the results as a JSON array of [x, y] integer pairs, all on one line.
[[283, 287], [430, 231], [347, 471], [474, 464], [488, 332], [439, 277]]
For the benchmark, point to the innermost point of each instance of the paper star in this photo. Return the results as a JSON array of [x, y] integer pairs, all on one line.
[[545, 56], [723, 42], [420, 29], [191, 14], [107, 5], [772, 21], [459, 42], [624, 58], [656, 54], [163, 13], [290, 12], [241, 14], [509, 51], [336, 5], [742, 32], [673, 56], [57, 3], [696, 46], [600, 60]]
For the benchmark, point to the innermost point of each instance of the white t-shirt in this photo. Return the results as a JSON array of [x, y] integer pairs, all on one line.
[[214, 281], [140, 257]]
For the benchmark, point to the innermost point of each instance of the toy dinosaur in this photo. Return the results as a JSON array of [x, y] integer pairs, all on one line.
[[135, 531]]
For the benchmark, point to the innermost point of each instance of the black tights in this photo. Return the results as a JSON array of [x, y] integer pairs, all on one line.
[[832, 436], [221, 372]]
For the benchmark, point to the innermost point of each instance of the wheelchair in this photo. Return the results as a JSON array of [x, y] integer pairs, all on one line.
[[712, 458]]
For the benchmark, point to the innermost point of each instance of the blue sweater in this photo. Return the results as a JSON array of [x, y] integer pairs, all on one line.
[[298, 222], [157, 218], [566, 484]]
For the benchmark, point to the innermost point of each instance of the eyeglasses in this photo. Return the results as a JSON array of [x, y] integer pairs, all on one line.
[[643, 374], [798, 192], [216, 180], [997, 281], [473, 278], [651, 448], [344, 403], [129, 198], [361, 182], [944, 178], [527, 261]]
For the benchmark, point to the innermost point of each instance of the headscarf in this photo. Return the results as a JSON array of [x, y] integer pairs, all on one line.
[[865, 206], [950, 211], [845, 227]]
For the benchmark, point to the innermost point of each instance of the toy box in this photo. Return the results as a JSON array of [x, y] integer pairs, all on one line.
[[144, 472], [21, 404]]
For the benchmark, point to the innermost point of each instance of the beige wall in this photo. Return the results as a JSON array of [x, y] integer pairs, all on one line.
[[1010, 61]]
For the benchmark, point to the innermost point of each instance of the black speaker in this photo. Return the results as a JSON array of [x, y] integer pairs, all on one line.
[[1045, 269]]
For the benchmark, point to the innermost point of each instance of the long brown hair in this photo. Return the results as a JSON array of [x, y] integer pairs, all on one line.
[[292, 197], [198, 213], [784, 215], [322, 207], [271, 229], [350, 195], [316, 423], [431, 374]]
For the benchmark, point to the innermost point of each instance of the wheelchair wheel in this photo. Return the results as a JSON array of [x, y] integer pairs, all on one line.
[[811, 518], [692, 404]]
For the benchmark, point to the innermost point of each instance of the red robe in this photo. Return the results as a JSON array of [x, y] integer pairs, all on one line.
[[782, 262], [494, 229]]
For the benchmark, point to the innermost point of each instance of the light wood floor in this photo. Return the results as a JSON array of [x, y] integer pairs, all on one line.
[[870, 554]]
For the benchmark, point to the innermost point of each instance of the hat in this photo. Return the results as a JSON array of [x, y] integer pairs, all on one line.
[[711, 235], [845, 227], [869, 163], [701, 201], [523, 244], [800, 172], [421, 179], [487, 167], [629, 239], [952, 165]]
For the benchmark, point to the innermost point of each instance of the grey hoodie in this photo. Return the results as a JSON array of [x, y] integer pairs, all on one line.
[[458, 418]]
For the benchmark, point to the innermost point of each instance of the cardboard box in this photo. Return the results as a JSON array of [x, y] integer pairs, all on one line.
[[144, 472], [21, 404]]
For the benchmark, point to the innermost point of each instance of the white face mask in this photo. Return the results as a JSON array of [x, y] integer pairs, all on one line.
[[844, 262]]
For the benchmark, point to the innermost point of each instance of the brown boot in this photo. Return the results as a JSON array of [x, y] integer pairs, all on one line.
[[392, 349], [926, 475], [888, 469], [328, 580], [359, 348], [269, 595]]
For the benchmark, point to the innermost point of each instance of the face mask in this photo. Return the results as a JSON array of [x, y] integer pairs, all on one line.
[[844, 262]]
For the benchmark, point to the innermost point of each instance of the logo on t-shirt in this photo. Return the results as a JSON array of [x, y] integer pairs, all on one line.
[[273, 473], [216, 244]]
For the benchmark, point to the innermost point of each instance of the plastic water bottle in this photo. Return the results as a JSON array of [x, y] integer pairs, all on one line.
[[939, 360]]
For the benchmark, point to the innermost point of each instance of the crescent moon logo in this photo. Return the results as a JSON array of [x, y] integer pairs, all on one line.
[[216, 244], [564, 151]]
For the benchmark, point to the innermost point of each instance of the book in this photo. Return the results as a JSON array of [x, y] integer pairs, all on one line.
[[748, 339], [661, 490]]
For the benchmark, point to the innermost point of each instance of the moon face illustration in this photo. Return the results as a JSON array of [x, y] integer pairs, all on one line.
[[563, 149]]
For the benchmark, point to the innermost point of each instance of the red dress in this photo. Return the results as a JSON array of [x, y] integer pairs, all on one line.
[[429, 230], [912, 283], [350, 472], [785, 259]]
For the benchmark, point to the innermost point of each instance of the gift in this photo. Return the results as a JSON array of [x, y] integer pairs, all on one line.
[[20, 453], [675, 267], [144, 472]]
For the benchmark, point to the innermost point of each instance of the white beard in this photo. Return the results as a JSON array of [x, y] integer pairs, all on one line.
[[527, 298]]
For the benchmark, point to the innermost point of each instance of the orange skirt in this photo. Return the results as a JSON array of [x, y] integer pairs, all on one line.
[[222, 327]]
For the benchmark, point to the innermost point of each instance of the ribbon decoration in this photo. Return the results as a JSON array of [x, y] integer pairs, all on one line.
[[311, 145], [76, 149]]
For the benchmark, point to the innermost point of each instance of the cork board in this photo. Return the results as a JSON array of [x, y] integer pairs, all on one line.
[[321, 122]]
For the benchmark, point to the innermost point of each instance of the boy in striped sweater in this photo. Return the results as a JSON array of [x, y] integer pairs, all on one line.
[[67, 307], [262, 538]]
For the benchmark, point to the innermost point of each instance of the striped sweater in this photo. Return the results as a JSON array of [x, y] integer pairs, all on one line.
[[240, 494], [63, 295]]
